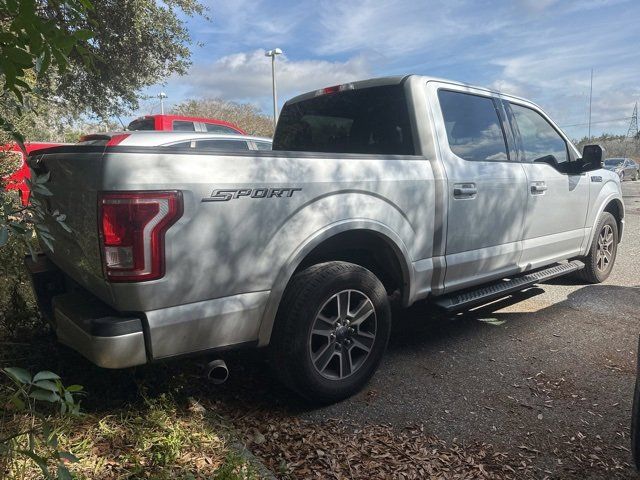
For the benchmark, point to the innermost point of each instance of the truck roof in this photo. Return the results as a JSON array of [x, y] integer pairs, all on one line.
[[397, 79]]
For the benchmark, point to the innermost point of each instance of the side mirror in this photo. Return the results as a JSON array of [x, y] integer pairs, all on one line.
[[592, 158]]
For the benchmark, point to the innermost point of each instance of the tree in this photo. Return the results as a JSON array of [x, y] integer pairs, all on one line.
[[88, 55], [246, 116], [614, 145]]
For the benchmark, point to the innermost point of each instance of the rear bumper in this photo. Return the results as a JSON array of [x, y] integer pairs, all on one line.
[[113, 339], [84, 323]]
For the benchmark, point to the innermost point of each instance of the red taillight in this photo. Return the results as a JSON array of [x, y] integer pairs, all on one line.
[[132, 229]]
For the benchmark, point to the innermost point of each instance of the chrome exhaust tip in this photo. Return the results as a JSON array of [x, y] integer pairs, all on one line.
[[217, 371]]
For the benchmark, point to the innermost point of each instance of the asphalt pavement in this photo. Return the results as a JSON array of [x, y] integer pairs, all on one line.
[[546, 375], [557, 366]]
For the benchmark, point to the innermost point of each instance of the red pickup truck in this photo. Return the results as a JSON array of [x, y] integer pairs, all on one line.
[[16, 180], [180, 123], [177, 123]]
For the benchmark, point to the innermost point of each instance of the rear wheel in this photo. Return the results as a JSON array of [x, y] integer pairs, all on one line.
[[331, 332], [602, 255]]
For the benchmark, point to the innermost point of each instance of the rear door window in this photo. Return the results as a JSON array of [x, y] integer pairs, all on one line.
[[540, 141], [474, 131], [222, 145], [214, 128], [372, 120], [183, 126], [262, 145]]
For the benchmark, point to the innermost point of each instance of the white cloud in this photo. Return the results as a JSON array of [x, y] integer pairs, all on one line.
[[398, 27], [247, 76], [539, 49]]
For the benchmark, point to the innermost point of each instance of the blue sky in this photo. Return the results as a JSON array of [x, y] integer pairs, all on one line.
[[543, 50]]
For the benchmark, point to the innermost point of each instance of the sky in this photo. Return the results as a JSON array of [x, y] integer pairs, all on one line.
[[543, 50]]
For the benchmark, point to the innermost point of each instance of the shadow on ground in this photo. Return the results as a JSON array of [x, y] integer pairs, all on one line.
[[556, 380]]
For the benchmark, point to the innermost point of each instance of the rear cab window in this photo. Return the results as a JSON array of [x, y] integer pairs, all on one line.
[[372, 120], [142, 124]]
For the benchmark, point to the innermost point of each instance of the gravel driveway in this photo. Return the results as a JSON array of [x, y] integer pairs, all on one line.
[[544, 385]]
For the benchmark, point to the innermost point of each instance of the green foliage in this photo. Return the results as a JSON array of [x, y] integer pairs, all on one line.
[[34, 37], [35, 439], [235, 468], [87, 56], [28, 222], [615, 145]]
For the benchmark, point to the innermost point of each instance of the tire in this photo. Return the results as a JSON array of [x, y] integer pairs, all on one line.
[[596, 267], [621, 175], [635, 177], [301, 336]]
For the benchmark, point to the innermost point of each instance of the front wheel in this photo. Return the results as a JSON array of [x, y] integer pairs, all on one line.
[[331, 331], [602, 255]]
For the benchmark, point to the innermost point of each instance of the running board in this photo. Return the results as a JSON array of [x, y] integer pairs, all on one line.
[[461, 301]]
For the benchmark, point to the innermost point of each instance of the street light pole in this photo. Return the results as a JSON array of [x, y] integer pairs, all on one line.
[[162, 96], [272, 54]]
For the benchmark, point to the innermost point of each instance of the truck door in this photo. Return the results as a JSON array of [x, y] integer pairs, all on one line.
[[487, 187], [557, 202]]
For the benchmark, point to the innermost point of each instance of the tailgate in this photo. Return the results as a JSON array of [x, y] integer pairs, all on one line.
[[75, 175]]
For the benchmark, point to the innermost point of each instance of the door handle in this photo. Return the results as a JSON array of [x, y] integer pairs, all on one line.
[[465, 190], [538, 187]]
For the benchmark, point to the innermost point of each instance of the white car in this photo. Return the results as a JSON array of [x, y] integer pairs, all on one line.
[[178, 140]]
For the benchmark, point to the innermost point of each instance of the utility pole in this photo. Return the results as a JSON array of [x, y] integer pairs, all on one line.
[[162, 96], [272, 54], [590, 98]]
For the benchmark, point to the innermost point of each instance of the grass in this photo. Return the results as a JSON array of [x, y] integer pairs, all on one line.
[[135, 425], [159, 440]]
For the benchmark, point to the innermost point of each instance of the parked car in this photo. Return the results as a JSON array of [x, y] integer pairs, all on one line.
[[180, 123], [626, 168], [17, 179], [178, 140], [407, 188]]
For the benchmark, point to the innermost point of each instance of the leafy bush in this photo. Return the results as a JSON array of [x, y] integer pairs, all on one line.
[[26, 431]]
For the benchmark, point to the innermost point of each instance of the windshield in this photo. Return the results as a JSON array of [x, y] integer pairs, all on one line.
[[371, 120], [612, 162]]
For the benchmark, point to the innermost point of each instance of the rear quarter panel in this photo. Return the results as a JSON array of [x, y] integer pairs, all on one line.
[[223, 248]]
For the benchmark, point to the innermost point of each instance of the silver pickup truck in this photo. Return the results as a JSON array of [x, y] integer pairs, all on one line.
[[402, 188]]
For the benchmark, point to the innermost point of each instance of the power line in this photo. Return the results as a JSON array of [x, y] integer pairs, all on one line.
[[592, 123]]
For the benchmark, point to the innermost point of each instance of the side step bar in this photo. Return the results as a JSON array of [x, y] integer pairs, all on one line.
[[470, 298]]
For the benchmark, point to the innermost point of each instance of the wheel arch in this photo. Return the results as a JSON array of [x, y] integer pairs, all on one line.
[[612, 203], [321, 245]]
